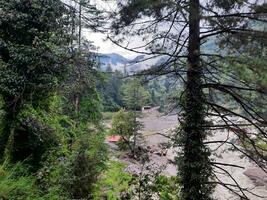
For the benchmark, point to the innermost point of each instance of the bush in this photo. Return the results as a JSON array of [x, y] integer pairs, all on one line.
[[87, 163], [33, 136], [107, 115], [113, 182], [167, 188], [127, 126], [16, 184]]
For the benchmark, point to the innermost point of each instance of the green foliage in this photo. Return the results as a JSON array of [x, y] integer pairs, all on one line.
[[116, 92], [107, 115], [149, 184], [123, 124], [259, 143], [249, 69], [33, 46], [231, 25], [158, 89], [14, 185], [86, 164], [73, 169], [164, 90], [31, 49], [90, 108], [57, 134], [17, 184], [113, 182], [82, 101], [127, 126], [32, 136], [109, 90], [167, 188], [135, 96]]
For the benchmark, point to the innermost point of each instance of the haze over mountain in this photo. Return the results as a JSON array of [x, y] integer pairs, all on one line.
[[120, 63]]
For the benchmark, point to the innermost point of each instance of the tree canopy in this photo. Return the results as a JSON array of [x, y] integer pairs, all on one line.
[[207, 64]]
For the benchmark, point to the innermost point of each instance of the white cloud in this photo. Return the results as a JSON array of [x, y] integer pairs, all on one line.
[[106, 46]]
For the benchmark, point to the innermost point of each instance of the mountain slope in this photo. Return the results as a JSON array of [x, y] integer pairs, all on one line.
[[120, 63]]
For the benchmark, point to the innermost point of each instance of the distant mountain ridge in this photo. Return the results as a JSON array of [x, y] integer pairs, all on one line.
[[120, 63], [113, 58]]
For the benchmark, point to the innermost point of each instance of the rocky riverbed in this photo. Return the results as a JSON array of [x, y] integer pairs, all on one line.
[[156, 125], [250, 177]]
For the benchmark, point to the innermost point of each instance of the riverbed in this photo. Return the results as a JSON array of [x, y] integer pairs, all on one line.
[[156, 124]]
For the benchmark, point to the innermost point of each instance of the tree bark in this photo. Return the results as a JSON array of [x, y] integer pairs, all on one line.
[[80, 24], [194, 167]]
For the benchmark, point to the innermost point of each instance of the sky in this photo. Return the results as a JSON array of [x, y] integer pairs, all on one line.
[[106, 46], [99, 39]]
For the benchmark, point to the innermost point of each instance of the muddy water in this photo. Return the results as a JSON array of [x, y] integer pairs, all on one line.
[[155, 123]]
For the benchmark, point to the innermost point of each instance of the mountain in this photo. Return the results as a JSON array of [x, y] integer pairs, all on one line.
[[138, 58], [120, 63], [141, 62], [114, 60]]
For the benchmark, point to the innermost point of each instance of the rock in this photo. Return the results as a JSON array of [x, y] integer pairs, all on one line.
[[133, 169], [112, 146], [257, 175]]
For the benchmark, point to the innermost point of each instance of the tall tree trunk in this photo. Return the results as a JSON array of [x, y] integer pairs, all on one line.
[[194, 167], [77, 95], [80, 24], [8, 127]]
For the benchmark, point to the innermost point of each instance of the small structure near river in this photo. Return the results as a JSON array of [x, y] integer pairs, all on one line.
[[146, 108]]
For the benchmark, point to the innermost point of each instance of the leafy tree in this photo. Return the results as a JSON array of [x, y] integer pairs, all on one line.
[[125, 124], [33, 52], [80, 84], [109, 90], [81, 102], [86, 164], [134, 94], [161, 90], [178, 31], [79, 87], [51, 110]]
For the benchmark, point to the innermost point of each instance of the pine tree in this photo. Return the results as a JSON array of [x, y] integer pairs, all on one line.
[[80, 84], [178, 31]]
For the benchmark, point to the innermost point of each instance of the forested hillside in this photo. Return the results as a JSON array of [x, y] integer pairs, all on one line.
[[174, 109]]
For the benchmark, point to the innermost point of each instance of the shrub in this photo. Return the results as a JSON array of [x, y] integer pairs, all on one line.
[[113, 182], [17, 184], [85, 165]]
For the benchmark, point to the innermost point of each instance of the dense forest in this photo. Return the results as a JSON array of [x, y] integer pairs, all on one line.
[[185, 119]]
